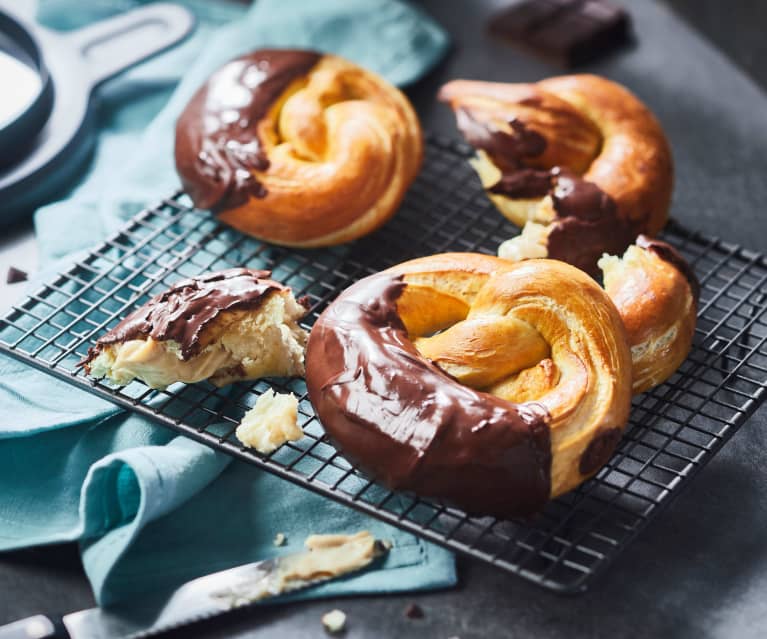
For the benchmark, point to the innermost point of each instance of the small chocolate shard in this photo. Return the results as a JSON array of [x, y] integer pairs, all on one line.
[[16, 275], [566, 32], [414, 611]]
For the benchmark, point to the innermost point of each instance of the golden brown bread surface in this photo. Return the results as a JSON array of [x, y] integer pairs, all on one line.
[[456, 353], [579, 154], [658, 305], [298, 148]]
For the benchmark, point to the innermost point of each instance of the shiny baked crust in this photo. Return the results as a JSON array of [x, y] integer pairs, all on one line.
[[658, 306], [595, 128], [338, 148], [540, 335]]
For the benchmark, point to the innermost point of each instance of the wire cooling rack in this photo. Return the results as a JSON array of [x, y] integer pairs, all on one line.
[[674, 430]]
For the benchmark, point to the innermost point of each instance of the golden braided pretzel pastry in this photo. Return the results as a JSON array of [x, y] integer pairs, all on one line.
[[298, 148], [493, 385], [578, 157]]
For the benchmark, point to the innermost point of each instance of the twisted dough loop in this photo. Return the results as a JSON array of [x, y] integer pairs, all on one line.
[[539, 331], [655, 292], [337, 149], [539, 144]]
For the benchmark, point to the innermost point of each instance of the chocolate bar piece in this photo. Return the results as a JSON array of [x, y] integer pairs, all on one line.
[[15, 275], [566, 32]]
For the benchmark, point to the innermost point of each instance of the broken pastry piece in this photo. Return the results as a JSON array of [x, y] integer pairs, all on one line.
[[271, 422], [226, 326]]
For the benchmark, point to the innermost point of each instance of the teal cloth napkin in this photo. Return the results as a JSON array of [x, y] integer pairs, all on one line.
[[151, 509]]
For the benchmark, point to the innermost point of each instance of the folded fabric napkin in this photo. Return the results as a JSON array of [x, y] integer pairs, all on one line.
[[149, 508]]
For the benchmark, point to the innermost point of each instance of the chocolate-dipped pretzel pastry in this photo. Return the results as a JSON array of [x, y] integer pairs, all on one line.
[[577, 158], [493, 385], [298, 148]]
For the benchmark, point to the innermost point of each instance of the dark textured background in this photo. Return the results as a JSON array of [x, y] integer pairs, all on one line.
[[701, 569]]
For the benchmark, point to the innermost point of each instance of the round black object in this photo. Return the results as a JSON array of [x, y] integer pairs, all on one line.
[[17, 133], [51, 148]]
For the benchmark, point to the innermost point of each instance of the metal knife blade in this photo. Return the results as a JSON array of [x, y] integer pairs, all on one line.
[[196, 600]]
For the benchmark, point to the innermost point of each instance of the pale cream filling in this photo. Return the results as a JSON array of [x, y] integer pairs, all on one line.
[[158, 366], [327, 556], [330, 556], [532, 243]]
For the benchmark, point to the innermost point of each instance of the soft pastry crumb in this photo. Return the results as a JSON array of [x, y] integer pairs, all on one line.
[[280, 539], [334, 621], [532, 243], [270, 423]]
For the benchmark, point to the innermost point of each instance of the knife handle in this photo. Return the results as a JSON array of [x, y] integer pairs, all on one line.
[[35, 627]]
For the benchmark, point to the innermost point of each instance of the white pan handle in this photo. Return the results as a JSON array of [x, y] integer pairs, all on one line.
[[115, 44]]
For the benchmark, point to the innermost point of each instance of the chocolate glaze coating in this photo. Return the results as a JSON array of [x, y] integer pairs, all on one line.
[[668, 253], [599, 451], [412, 426], [184, 311], [508, 150], [587, 223], [217, 143]]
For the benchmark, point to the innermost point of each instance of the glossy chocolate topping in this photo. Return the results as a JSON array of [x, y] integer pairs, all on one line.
[[182, 312], [668, 253], [587, 223], [507, 150], [217, 143], [412, 426]]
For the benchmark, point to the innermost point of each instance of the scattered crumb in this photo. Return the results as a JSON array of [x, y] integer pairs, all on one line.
[[334, 621], [15, 275], [279, 539], [271, 422], [414, 611]]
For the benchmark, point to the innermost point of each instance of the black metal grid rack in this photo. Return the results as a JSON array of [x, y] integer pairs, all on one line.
[[674, 430]]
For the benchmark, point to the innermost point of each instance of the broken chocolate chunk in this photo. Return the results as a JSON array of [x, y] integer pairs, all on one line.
[[414, 611], [15, 275], [566, 32]]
